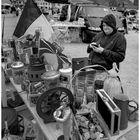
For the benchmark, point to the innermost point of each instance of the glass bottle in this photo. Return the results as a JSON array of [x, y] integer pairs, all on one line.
[[12, 45], [27, 59], [6, 132]]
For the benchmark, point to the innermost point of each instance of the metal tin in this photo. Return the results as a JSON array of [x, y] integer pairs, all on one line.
[[51, 79], [18, 72], [65, 76], [66, 71], [17, 65], [50, 75], [35, 71]]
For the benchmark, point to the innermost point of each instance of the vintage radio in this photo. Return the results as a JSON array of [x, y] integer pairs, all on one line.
[[109, 111], [36, 89]]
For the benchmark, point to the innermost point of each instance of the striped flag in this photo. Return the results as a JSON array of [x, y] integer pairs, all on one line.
[[52, 55], [32, 19]]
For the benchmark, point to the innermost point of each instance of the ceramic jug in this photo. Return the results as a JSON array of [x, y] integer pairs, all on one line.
[[123, 102]]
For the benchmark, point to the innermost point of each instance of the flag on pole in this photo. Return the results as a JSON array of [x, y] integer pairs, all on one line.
[[32, 19], [52, 55]]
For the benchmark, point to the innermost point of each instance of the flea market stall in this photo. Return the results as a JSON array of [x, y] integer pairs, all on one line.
[[66, 104], [67, 99]]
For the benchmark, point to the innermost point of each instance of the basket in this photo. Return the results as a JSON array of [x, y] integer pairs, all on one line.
[[96, 128]]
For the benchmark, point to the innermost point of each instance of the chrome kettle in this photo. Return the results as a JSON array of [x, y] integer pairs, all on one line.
[[123, 102]]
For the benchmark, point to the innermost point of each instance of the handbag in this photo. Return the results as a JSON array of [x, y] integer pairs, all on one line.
[[114, 72], [112, 84]]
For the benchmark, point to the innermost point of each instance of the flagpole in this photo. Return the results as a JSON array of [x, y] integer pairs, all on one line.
[[3, 28]]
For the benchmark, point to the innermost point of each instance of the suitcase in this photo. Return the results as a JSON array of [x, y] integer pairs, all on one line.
[[109, 111]]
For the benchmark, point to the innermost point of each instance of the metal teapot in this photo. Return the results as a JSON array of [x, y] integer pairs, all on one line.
[[123, 102]]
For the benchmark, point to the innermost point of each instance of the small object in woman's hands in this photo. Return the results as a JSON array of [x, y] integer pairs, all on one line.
[[94, 44], [57, 113]]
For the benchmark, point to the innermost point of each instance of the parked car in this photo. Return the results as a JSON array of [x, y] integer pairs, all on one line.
[[93, 15], [5, 8], [4, 11]]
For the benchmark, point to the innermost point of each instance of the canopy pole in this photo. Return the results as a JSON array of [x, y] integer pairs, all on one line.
[[3, 28]]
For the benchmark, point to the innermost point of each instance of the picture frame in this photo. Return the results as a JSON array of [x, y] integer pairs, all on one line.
[[27, 51]]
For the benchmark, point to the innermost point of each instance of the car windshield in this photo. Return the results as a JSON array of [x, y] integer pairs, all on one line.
[[96, 11]]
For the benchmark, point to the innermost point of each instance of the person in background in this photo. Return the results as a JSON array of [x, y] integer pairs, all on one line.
[[68, 12], [108, 46], [13, 9], [124, 21], [17, 11]]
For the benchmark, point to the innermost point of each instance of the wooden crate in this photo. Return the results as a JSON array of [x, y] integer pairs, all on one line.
[[100, 122]]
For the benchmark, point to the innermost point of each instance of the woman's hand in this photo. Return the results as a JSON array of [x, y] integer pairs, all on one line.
[[97, 49]]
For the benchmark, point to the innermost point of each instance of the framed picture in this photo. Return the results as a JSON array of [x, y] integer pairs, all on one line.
[[27, 51]]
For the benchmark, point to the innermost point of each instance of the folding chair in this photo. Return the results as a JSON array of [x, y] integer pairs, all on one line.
[[61, 33]]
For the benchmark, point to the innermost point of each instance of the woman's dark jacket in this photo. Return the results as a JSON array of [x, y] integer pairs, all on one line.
[[114, 48]]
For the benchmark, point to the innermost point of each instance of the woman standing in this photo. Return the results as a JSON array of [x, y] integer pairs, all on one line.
[[108, 46]]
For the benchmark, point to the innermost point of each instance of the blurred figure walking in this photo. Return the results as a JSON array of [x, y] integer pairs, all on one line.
[[124, 21], [68, 12]]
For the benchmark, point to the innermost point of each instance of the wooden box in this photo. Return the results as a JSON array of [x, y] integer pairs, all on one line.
[[109, 111]]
